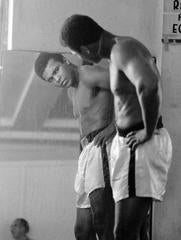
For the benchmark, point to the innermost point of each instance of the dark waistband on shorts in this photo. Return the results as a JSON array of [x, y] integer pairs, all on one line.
[[138, 126], [89, 137], [105, 165]]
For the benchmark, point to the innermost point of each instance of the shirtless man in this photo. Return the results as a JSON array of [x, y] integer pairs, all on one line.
[[88, 89], [141, 150]]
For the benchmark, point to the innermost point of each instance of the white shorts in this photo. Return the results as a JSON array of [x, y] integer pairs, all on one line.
[[152, 162], [89, 174]]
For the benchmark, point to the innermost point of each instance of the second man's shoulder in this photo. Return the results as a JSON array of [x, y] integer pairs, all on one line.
[[125, 49], [92, 68], [124, 42]]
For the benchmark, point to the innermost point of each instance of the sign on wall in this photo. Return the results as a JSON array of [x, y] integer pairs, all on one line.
[[172, 17], [172, 5]]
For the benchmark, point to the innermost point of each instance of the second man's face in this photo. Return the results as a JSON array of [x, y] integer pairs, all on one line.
[[59, 74], [89, 53]]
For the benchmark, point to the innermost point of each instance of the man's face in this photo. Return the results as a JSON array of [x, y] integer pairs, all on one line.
[[89, 53], [59, 74], [17, 229]]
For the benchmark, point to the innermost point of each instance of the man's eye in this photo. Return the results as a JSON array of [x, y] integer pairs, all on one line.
[[55, 70], [50, 79]]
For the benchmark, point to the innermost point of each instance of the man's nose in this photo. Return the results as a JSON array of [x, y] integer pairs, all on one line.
[[56, 78]]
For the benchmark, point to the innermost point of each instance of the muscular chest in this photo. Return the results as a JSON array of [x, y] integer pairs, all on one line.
[[84, 99], [85, 96]]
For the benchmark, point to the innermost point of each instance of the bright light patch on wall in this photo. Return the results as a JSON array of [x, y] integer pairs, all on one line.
[[10, 24]]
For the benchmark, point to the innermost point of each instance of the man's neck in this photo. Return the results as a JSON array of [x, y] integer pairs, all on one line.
[[106, 42], [76, 77]]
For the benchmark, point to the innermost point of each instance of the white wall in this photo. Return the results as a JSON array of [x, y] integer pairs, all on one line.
[[168, 214], [39, 189]]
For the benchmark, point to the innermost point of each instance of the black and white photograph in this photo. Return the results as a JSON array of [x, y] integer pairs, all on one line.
[[90, 96]]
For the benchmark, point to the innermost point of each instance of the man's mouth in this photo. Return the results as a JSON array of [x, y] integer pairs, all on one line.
[[64, 82]]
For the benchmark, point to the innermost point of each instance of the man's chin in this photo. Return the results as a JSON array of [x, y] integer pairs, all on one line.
[[97, 60]]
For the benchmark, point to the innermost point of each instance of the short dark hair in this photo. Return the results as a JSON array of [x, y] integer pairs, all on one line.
[[42, 61], [79, 30], [24, 223]]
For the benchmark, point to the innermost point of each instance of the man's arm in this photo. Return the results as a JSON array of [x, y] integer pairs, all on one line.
[[106, 135], [144, 76]]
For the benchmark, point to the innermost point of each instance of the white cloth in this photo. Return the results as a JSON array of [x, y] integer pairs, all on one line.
[[89, 174], [152, 162]]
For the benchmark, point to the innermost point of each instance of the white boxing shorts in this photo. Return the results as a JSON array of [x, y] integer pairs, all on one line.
[[142, 173], [90, 174]]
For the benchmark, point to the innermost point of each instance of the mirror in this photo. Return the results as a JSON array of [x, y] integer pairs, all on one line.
[[39, 144]]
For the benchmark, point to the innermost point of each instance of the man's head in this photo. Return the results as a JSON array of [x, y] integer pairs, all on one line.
[[55, 68], [82, 35], [19, 228]]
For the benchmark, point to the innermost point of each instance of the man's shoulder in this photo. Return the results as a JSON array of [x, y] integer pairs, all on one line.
[[125, 49], [91, 68], [124, 45], [125, 41], [92, 73], [95, 76]]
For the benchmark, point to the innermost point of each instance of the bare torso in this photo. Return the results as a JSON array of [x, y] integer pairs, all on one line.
[[93, 107], [127, 106]]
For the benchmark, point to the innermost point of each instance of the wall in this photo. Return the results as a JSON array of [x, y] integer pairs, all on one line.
[[36, 183], [168, 214]]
